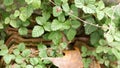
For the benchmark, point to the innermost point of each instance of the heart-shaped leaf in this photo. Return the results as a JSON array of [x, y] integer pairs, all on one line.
[[37, 31]]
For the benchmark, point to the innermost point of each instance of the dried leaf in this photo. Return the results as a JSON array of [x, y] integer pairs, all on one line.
[[72, 59], [95, 64]]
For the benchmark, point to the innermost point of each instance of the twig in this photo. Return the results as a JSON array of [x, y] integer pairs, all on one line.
[[52, 2], [85, 21], [79, 18]]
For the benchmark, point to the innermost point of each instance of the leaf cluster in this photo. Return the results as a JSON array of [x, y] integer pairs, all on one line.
[[58, 20]]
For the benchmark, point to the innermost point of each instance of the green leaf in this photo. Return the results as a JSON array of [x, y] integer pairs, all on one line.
[[117, 10], [79, 3], [40, 66], [89, 28], [109, 12], [34, 61], [57, 2], [16, 52], [55, 37], [116, 53], [75, 24], [56, 25], [29, 66], [87, 62], [21, 47], [40, 20], [52, 35], [107, 62], [108, 37], [3, 52], [37, 31], [23, 17], [45, 36], [26, 12], [28, 1], [88, 9], [46, 61], [40, 62], [94, 38], [23, 31], [17, 13], [115, 44], [65, 25], [99, 49], [64, 1], [1, 42], [19, 59], [106, 49], [74, 11], [52, 53], [102, 42], [26, 23], [36, 4], [117, 36], [63, 45], [1, 26], [101, 5], [46, 15], [8, 2], [23, 65], [57, 10], [61, 18], [43, 53], [90, 1], [101, 60], [100, 15], [8, 58], [41, 47], [7, 20], [12, 16], [3, 47], [71, 34], [26, 53], [65, 7], [117, 47], [14, 23], [47, 26], [3, 34], [83, 49], [8, 9]]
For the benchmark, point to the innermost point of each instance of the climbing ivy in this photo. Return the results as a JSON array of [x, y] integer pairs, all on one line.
[[58, 19]]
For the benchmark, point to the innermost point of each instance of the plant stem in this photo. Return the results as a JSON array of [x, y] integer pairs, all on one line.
[[84, 21], [79, 18]]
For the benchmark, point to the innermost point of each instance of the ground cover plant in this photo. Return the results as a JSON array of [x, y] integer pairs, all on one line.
[[88, 30]]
